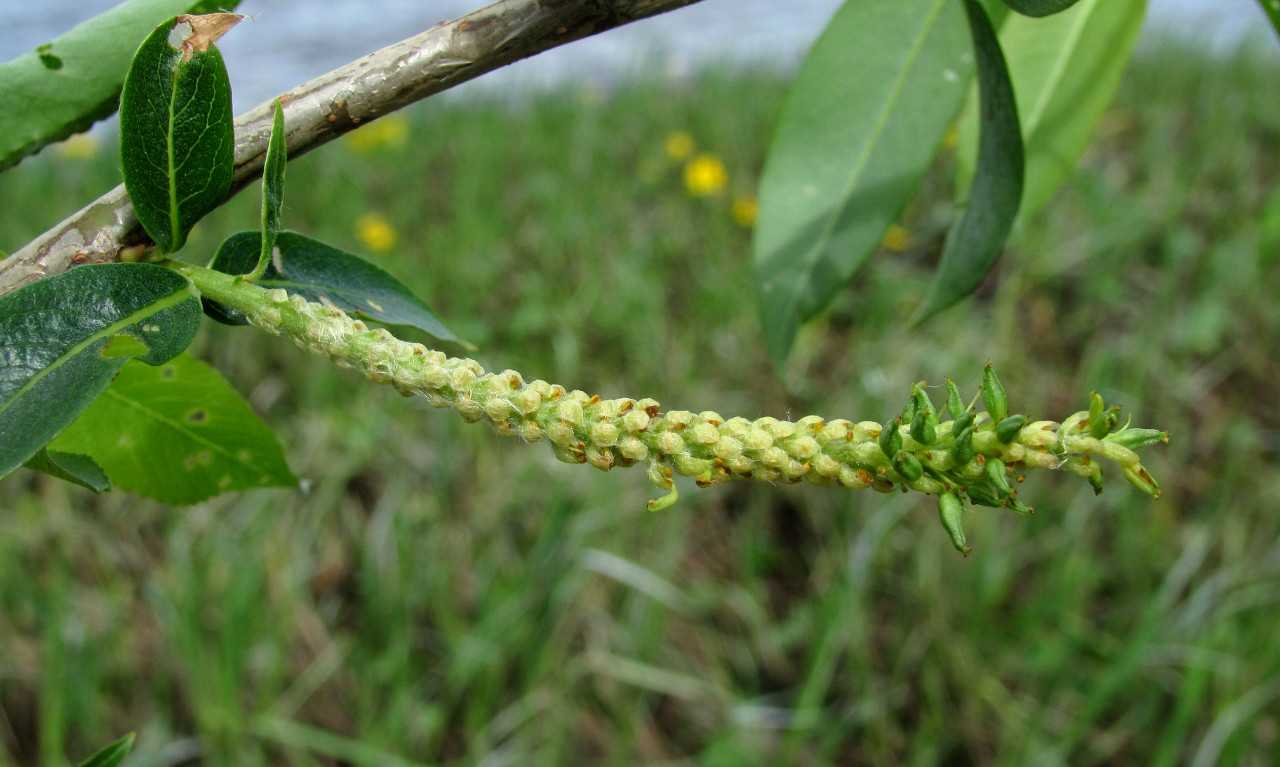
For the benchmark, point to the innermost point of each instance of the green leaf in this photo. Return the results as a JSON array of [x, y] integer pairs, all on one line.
[[177, 137], [112, 755], [1065, 70], [320, 272], [1038, 8], [177, 433], [71, 467], [974, 243], [64, 337], [63, 87], [863, 121], [1273, 13], [272, 192]]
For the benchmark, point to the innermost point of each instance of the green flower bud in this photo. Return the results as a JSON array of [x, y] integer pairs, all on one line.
[[993, 395], [1136, 439], [998, 476], [924, 427], [1140, 479], [890, 439], [1008, 429], [951, 512], [908, 466], [983, 495], [1104, 424], [1096, 406], [963, 452], [954, 403], [921, 399]]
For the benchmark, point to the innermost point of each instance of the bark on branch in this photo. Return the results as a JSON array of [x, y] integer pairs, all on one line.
[[340, 101]]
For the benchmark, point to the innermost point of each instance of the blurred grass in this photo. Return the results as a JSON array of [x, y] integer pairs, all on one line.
[[442, 596]]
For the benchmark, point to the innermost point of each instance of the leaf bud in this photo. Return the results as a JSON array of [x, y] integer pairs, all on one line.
[[1007, 430], [951, 513], [993, 394]]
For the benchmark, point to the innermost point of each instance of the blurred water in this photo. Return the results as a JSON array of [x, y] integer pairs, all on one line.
[[287, 42]]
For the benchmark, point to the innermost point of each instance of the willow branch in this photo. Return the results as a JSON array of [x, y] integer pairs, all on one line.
[[338, 102]]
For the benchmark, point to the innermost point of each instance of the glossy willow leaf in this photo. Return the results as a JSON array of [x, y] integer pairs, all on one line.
[[320, 272], [272, 191], [177, 433], [1273, 13], [1038, 8], [112, 755], [63, 338], [62, 87], [974, 242], [177, 138], [71, 467], [860, 126], [1065, 70]]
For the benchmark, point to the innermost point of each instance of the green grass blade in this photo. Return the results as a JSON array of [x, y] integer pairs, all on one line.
[[63, 338], [974, 243], [861, 125], [272, 192], [320, 272], [112, 755], [177, 433], [1039, 8], [64, 86], [177, 136], [1065, 71]]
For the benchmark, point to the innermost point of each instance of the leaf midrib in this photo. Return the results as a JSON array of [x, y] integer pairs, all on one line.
[[166, 302], [178, 427], [864, 156], [1058, 72]]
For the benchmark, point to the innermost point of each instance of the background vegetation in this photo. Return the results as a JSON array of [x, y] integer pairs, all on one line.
[[440, 595]]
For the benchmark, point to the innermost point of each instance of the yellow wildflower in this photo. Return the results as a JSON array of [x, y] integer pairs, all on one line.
[[375, 232], [896, 239], [390, 131], [678, 146], [82, 146], [705, 175], [744, 210]]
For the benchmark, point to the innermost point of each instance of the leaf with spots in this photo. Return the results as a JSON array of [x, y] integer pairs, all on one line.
[[320, 272], [63, 86], [62, 339], [177, 433], [862, 123], [177, 135]]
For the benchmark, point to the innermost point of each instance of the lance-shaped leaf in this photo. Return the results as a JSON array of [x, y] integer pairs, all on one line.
[[64, 86], [272, 192], [177, 433], [71, 467], [863, 121], [177, 138], [1038, 8], [321, 272], [64, 337], [1065, 70], [112, 755], [974, 242]]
